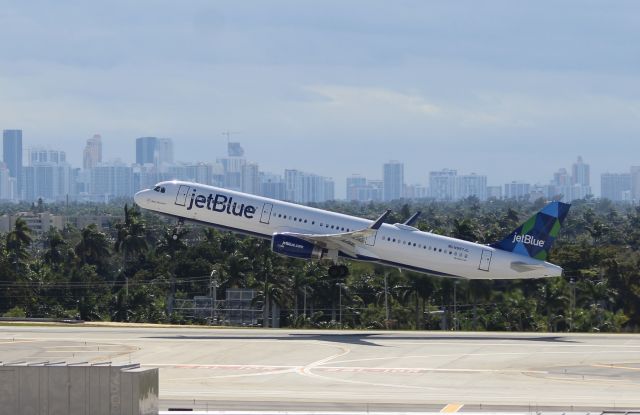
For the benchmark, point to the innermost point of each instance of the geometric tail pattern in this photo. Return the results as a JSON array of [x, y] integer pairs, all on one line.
[[535, 237]]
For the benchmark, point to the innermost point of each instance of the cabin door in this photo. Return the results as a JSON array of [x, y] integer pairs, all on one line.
[[266, 213], [181, 198], [485, 260]]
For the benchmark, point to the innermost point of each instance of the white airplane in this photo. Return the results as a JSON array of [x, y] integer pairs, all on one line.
[[305, 232]]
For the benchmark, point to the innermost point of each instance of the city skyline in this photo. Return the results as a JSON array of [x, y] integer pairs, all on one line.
[[46, 173], [505, 90]]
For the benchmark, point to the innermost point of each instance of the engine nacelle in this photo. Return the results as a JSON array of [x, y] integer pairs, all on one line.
[[295, 247]]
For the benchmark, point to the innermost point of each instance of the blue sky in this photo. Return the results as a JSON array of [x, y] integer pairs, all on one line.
[[511, 89]]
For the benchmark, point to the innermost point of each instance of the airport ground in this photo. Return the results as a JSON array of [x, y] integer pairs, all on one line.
[[367, 371]]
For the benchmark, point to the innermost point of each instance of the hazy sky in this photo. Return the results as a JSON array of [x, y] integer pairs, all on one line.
[[511, 89]]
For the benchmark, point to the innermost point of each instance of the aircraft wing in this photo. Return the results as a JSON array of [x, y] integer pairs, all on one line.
[[345, 242]]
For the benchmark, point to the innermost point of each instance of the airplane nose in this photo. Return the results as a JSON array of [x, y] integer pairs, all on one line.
[[138, 197]]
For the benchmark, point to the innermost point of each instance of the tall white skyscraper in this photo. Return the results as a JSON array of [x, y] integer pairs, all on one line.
[[471, 185], [442, 184], [251, 178], [164, 151], [580, 173], [615, 186], [393, 178], [92, 155]]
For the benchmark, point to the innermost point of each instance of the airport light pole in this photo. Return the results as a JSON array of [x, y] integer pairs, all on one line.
[[455, 306], [213, 292], [304, 303], [572, 301], [386, 302], [340, 285]]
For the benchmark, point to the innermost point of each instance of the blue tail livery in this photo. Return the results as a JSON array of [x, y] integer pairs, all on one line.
[[535, 237]]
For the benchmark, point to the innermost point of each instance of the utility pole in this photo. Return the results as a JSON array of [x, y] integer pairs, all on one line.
[[304, 304], [340, 302], [213, 293], [386, 301], [572, 302], [455, 306]]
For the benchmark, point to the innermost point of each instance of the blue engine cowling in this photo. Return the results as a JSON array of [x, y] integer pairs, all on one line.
[[295, 247]]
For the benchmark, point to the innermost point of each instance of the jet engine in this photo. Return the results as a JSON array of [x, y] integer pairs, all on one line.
[[292, 246]]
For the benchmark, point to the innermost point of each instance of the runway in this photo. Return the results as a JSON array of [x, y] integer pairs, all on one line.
[[287, 370]]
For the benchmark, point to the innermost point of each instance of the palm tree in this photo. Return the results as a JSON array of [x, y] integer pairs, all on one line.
[[18, 240], [55, 253], [131, 235], [93, 248]]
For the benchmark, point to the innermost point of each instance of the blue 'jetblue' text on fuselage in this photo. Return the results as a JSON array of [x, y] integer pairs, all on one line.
[[221, 203]]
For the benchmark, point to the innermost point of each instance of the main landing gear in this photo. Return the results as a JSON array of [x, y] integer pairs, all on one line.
[[177, 229], [338, 271]]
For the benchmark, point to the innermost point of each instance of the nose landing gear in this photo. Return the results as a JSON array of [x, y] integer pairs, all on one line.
[[177, 229]]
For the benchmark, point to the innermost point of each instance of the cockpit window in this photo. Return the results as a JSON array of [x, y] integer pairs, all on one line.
[[160, 189], [156, 189]]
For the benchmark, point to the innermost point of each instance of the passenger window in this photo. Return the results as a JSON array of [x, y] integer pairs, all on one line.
[[313, 222]]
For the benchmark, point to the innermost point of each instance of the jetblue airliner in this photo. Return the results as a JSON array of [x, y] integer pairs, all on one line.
[[305, 232]]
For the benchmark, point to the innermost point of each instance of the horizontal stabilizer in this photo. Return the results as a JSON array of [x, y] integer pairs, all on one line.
[[524, 267]]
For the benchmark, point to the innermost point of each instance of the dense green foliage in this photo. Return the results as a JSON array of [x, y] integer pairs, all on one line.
[[135, 270]]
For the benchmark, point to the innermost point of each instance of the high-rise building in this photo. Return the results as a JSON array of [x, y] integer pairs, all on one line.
[[92, 155], [111, 180], [12, 154], [414, 191], [517, 190], [615, 186], [471, 185], [272, 186], [146, 150], [301, 187], [393, 178], [360, 189], [164, 151], [251, 178], [442, 184], [580, 173], [8, 190], [494, 192], [635, 183], [356, 188], [48, 176]]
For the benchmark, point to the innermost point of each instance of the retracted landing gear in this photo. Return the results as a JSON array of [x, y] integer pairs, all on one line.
[[177, 229]]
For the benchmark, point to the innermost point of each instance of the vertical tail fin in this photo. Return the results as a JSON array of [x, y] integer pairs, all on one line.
[[535, 237]]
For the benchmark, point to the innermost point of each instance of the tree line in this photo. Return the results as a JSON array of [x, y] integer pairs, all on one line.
[[135, 270]]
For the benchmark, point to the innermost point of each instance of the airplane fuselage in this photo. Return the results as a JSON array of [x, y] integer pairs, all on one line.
[[395, 245]]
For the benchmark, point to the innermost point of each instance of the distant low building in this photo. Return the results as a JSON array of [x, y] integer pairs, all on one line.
[[38, 223]]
